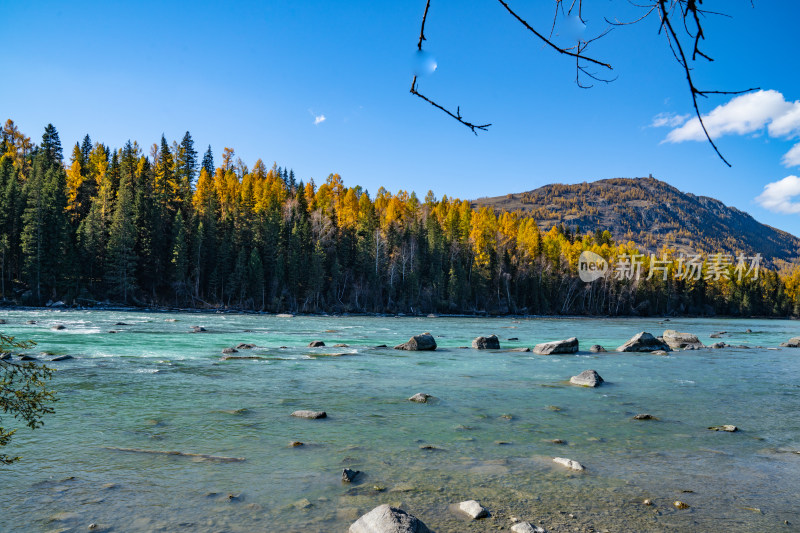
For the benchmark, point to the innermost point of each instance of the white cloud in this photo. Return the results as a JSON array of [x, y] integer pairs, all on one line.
[[777, 196], [744, 114], [319, 119], [671, 120], [788, 124], [792, 157]]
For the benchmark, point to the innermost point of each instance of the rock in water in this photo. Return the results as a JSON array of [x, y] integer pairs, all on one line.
[[727, 427], [526, 527], [644, 416], [718, 345], [794, 342], [680, 505], [680, 341], [387, 519], [58, 327], [643, 342], [310, 414], [418, 342], [316, 344], [198, 329], [245, 346], [569, 463], [473, 509], [420, 397], [349, 475], [566, 346], [62, 358], [596, 348], [486, 343], [230, 350], [587, 378]]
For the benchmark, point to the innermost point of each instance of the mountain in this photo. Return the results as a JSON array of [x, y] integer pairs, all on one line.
[[651, 213]]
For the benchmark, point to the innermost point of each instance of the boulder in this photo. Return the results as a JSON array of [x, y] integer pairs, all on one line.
[[198, 329], [473, 509], [643, 342], [387, 519], [718, 345], [229, 350], [565, 346], [418, 342], [527, 527], [349, 475], [596, 348], [58, 327], [520, 349], [486, 343], [587, 378], [245, 346], [420, 397], [644, 416], [27, 358], [310, 414], [726, 427], [680, 341], [316, 344], [794, 342], [569, 463], [62, 358]]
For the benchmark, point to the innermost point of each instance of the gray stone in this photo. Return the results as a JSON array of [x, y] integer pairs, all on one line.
[[659, 352], [62, 358], [27, 358], [520, 349], [643, 342], [527, 527], [58, 327], [680, 341], [726, 427], [420, 397], [587, 378], [644, 416], [229, 350], [473, 509], [718, 345], [387, 519], [486, 343], [555, 347], [198, 329], [5, 356], [316, 344], [794, 342], [245, 346], [424, 341], [718, 334], [596, 348], [569, 463], [310, 414]]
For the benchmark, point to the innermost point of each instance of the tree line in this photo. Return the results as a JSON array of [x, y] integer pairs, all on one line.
[[172, 228]]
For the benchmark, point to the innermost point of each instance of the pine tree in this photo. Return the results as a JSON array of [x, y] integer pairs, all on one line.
[[185, 169], [208, 161], [121, 271]]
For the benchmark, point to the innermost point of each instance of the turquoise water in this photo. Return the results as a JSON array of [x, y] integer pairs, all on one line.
[[155, 386]]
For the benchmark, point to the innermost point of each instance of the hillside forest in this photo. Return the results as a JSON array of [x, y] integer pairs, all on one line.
[[168, 227]]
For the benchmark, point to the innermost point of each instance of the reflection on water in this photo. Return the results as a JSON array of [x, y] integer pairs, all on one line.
[[496, 421]]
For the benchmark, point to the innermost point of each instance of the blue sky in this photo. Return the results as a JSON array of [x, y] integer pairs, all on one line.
[[259, 77]]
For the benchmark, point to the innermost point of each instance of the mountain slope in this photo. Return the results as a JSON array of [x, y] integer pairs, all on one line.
[[651, 213]]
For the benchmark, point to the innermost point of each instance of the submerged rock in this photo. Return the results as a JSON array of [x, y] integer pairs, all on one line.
[[62, 358], [245, 346], [198, 329], [680, 505], [596, 348], [569, 463], [58, 327], [424, 341], [473, 509], [527, 527], [718, 345], [644, 416], [681, 341], [555, 347], [27, 358], [387, 519], [420, 397], [316, 344], [230, 350], [349, 475], [587, 378], [794, 342], [296, 444], [303, 413], [643, 342], [5, 356], [520, 349], [486, 343]]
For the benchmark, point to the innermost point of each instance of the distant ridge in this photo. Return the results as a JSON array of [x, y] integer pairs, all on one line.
[[651, 213]]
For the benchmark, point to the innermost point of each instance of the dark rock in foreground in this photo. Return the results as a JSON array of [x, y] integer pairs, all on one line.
[[555, 347], [387, 519], [643, 342], [681, 341], [310, 414], [587, 378], [418, 343], [486, 343]]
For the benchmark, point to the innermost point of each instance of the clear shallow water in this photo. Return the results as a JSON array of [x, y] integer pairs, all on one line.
[[155, 386]]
